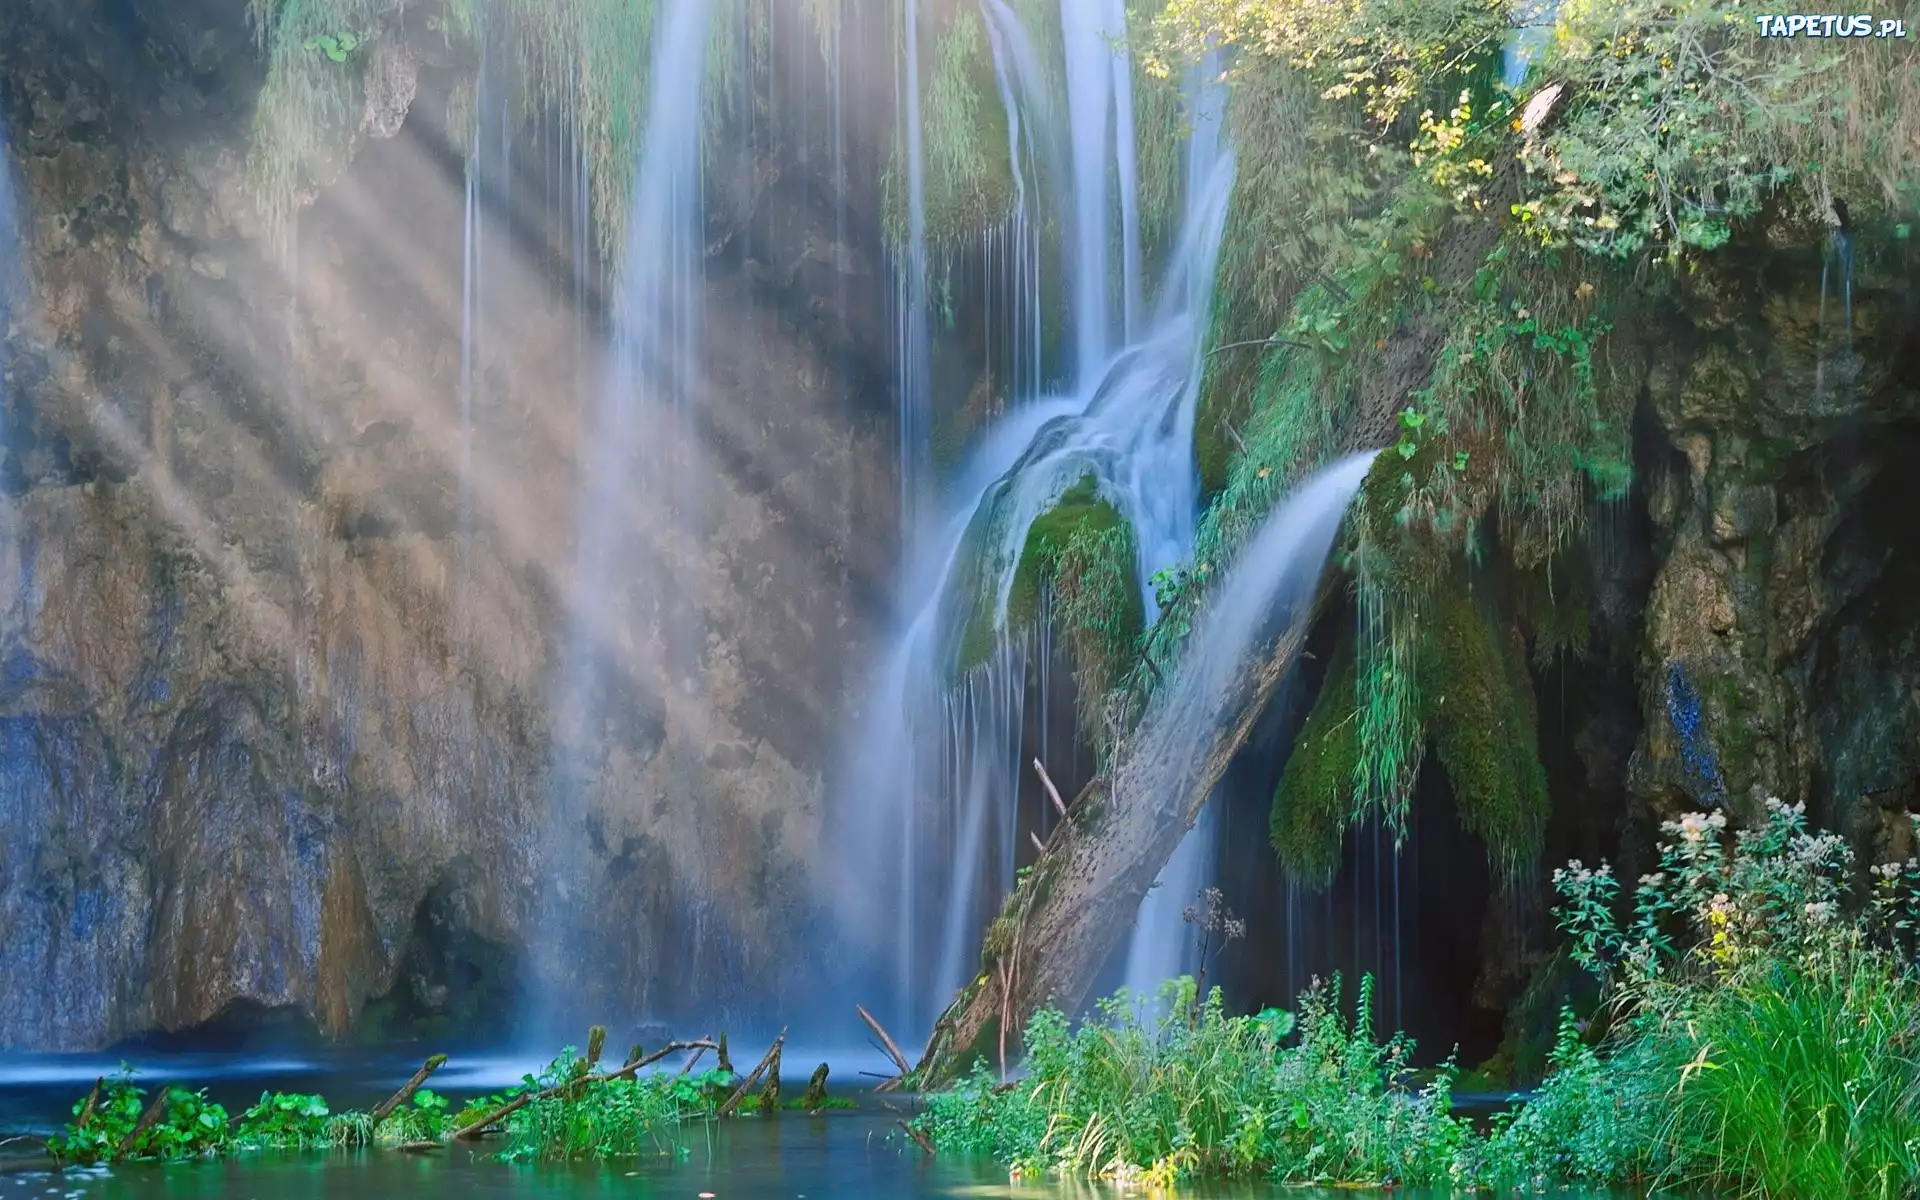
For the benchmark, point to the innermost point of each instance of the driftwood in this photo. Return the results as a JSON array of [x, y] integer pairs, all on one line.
[[693, 1058], [596, 1045], [770, 1093], [920, 1139], [1053, 793], [772, 1056], [93, 1102], [726, 1062], [154, 1112], [893, 1051], [408, 1089], [816, 1093], [420, 1147], [475, 1128], [1265, 341]]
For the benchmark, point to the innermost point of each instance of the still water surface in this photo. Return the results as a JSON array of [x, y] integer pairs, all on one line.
[[844, 1155]]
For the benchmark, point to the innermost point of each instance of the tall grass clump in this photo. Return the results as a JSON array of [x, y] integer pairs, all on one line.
[[1778, 1003], [1151, 1092]]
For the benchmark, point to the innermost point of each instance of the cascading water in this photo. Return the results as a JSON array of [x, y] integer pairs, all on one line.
[[912, 334], [648, 387], [932, 827], [12, 250]]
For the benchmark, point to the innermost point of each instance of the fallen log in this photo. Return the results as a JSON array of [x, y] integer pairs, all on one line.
[[920, 1139], [386, 1107], [693, 1058], [770, 1091], [1053, 793], [1085, 889], [771, 1056]]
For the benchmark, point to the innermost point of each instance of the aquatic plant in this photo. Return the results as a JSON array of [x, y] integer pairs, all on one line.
[[285, 1119], [116, 1121]]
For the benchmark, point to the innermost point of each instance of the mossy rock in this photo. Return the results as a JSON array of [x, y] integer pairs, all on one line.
[[1314, 801], [967, 179], [1080, 510]]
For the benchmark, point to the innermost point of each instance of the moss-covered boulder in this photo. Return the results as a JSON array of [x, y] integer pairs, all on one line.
[[1068, 532]]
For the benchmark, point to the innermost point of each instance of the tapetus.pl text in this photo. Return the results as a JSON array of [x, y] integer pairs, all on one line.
[[1829, 25]]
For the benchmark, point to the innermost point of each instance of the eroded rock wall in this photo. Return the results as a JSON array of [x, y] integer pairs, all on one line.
[[1781, 635], [277, 688]]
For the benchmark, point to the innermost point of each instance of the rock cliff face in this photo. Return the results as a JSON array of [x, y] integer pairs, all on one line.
[[276, 696], [1780, 652]]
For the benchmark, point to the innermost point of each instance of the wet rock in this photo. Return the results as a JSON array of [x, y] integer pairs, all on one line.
[[275, 684]]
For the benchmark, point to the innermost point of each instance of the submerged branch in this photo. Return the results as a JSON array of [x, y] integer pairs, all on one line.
[[407, 1090]]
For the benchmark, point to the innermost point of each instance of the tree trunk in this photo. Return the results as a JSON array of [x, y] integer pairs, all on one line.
[[1061, 924]]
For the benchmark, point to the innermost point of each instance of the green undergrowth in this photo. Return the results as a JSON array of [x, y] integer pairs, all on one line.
[[1451, 677], [1758, 1038], [569, 1113], [1777, 987]]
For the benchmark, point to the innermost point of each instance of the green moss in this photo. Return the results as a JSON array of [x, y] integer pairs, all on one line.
[[1477, 703], [1080, 519], [1314, 803], [967, 181]]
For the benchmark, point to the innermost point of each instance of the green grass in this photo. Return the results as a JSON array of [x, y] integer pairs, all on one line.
[[1760, 1037], [1151, 1095]]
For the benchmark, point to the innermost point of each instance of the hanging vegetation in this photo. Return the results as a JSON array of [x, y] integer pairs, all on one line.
[[329, 64]]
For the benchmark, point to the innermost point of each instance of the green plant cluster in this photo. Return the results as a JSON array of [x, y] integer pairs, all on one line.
[[186, 1125], [1148, 1094], [1758, 1040], [568, 1114], [617, 1118], [1775, 995], [107, 1125], [1081, 556]]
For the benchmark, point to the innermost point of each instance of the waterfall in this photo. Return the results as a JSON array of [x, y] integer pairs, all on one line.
[[913, 348], [1532, 32], [13, 273], [640, 443], [931, 823], [1266, 588], [469, 336]]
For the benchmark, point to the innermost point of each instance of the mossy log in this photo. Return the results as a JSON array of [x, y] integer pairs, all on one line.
[[1064, 920]]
